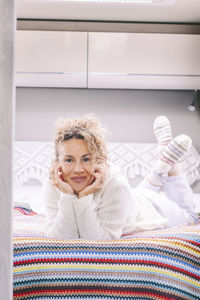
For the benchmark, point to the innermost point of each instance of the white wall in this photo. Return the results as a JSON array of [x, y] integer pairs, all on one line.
[[128, 114]]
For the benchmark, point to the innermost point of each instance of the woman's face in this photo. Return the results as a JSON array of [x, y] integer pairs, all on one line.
[[76, 163]]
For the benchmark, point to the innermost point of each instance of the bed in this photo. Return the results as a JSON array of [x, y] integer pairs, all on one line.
[[159, 264]]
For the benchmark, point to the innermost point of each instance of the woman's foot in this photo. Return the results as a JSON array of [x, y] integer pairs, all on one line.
[[162, 131], [172, 153]]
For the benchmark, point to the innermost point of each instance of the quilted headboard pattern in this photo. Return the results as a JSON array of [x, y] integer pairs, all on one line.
[[32, 160]]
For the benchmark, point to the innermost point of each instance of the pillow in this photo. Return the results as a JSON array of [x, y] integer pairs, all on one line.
[[137, 159], [33, 159]]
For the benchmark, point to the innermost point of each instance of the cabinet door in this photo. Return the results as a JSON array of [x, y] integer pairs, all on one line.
[[51, 58], [144, 61]]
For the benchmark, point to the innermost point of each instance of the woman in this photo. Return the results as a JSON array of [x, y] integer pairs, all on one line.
[[87, 197]]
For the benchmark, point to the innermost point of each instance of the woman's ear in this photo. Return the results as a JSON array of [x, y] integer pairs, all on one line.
[[94, 168]]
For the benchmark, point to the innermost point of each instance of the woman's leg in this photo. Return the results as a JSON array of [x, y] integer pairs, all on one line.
[[178, 190], [163, 134], [171, 151], [167, 208]]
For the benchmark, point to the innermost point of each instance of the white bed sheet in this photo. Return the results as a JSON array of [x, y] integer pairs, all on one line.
[[32, 195]]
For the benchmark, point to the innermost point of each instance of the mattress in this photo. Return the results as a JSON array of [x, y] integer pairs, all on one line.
[[159, 264]]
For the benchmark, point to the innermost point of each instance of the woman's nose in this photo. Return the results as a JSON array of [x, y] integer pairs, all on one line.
[[78, 167]]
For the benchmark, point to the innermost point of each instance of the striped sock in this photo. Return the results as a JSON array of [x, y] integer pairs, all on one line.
[[163, 133], [173, 152]]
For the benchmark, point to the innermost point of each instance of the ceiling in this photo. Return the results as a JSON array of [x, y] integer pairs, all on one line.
[[182, 11]]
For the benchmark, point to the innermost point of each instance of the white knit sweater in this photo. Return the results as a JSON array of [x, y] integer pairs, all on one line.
[[107, 214]]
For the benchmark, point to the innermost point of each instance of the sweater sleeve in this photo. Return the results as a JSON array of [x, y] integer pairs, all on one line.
[[103, 219], [59, 212]]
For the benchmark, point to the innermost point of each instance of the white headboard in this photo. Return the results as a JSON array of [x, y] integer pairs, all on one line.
[[32, 160]]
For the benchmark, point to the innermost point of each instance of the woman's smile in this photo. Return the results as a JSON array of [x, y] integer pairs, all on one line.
[[78, 179]]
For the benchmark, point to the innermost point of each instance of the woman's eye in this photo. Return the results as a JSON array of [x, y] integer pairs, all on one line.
[[86, 159], [68, 160]]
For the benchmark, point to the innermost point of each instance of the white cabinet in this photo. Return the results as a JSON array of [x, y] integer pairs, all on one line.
[[51, 59], [144, 61], [107, 60]]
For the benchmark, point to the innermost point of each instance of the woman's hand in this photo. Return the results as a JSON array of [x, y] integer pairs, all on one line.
[[96, 185], [56, 177]]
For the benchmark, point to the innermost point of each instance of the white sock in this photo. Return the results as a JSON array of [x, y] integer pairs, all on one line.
[[162, 131], [173, 152]]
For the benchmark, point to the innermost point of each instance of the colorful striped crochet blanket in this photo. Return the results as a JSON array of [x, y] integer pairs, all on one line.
[[161, 264]]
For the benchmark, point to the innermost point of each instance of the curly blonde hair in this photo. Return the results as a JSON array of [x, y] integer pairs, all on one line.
[[87, 128]]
